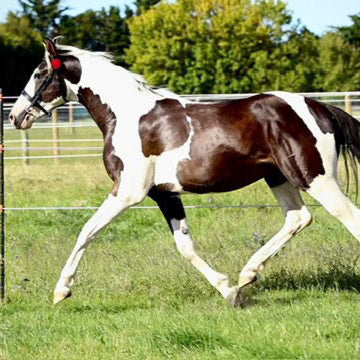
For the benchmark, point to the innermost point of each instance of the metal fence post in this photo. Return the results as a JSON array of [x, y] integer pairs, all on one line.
[[2, 201]]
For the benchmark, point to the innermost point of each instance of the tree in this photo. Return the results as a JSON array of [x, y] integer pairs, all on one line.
[[352, 33], [21, 51], [144, 5], [201, 46], [290, 65], [338, 66], [44, 16], [104, 30]]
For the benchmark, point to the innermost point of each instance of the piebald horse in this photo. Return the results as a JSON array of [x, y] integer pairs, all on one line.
[[160, 145]]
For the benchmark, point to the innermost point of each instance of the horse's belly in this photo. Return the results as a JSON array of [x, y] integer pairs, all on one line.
[[190, 176], [203, 178]]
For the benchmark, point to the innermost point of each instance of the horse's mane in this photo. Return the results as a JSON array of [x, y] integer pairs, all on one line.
[[107, 56], [74, 51]]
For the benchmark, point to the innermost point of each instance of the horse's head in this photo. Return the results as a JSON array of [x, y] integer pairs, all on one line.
[[52, 84]]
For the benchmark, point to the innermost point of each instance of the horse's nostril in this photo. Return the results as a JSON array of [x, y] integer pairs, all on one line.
[[12, 119]]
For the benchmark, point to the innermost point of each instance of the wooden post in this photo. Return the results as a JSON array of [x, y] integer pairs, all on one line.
[[55, 133], [71, 118], [25, 146], [347, 104]]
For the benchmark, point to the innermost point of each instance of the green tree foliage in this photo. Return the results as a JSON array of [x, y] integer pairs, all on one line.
[[43, 15], [144, 5], [20, 51], [338, 66], [220, 46], [352, 33], [289, 65], [104, 30], [191, 46]]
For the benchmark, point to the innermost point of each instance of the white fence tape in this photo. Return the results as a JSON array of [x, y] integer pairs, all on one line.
[[51, 156]]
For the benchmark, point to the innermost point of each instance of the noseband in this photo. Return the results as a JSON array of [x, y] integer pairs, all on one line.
[[34, 100]]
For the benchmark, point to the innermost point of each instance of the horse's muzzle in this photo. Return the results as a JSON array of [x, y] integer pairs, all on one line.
[[22, 121]]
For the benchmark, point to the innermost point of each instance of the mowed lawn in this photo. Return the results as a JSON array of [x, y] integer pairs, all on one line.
[[136, 298]]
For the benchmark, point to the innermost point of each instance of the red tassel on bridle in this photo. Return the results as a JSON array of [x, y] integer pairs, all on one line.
[[56, 64]]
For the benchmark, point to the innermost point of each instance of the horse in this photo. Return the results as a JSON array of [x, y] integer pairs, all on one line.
[[161, 145]]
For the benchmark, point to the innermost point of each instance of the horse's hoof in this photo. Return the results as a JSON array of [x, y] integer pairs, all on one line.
[[237, 298], [61, 295], [247, 280]]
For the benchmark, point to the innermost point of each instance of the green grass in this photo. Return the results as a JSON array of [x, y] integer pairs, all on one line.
[[136, 298]]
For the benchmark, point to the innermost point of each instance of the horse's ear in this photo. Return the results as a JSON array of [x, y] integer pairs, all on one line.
[[50, 47], [56, 39]]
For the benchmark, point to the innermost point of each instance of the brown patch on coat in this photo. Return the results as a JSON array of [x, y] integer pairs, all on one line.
[[106, 121], [71, 68], [165, 187], [239, 142], [164, 128], [223, 153]]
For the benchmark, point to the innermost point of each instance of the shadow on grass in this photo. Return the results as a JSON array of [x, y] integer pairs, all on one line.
[[338, 278], [108, 307], [180, 340]]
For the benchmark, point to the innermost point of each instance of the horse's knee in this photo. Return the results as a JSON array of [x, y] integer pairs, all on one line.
[[133, 198]]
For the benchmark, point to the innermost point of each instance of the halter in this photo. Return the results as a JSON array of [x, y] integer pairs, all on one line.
[[34, 100]]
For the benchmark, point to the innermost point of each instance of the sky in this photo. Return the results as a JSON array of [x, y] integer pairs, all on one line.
[[317, 15]]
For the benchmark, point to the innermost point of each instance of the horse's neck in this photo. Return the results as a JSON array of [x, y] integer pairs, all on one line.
[[100, 112], [110, 93]]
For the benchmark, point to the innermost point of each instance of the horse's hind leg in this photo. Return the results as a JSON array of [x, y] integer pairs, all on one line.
[[328, 193], [172, 208], [297, 217]]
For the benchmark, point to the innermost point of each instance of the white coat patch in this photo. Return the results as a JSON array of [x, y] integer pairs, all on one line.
[[166, 164]]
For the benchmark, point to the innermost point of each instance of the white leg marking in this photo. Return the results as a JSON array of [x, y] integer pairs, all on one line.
[[110, 208], [297, 217], [132, 190], [185, 246], [328, 193]]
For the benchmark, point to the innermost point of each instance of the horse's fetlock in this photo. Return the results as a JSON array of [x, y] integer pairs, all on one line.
[[185, 230]]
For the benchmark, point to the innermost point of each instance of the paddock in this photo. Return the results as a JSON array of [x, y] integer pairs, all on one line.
[[135, 296]]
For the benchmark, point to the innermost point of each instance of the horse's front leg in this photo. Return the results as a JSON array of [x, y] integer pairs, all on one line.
[[131, 191]]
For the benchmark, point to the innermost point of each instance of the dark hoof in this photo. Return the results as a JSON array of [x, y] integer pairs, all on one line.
[[238, 299]]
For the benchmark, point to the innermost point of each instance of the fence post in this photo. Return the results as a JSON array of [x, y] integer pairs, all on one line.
[[71, 118], [25, 146], [347, 104], [2, 202], [55, 133]]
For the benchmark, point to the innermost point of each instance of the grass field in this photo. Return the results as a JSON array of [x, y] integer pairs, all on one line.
[[136, 298]]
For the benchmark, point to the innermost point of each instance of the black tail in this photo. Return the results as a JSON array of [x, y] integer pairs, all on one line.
[[347, 137]]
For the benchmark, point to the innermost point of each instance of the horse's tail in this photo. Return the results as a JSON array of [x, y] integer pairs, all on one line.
[[347, 137]]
